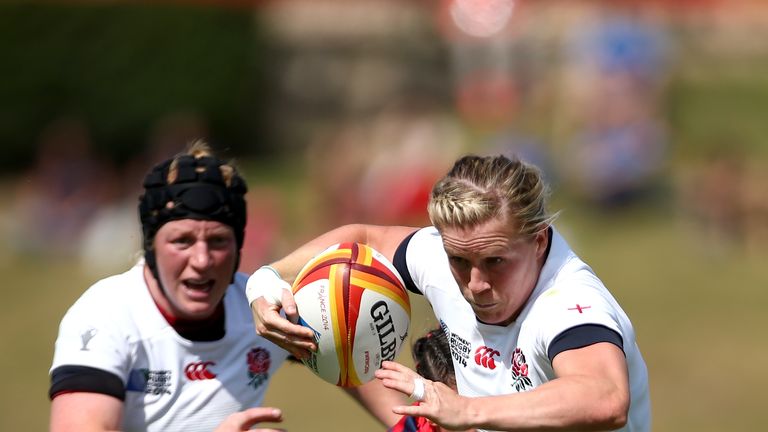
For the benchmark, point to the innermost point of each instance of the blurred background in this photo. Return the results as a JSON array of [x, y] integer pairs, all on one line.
[[647, 117]]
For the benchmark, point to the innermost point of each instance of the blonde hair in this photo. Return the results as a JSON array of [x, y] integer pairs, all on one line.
[[478, 189], [199, 149]]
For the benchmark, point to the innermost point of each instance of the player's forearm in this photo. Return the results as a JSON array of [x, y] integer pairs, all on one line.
[[384, 239], [566, 403], [378, 401], [290, 265]]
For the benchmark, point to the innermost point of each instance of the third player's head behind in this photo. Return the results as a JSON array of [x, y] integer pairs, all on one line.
[[432, 358]]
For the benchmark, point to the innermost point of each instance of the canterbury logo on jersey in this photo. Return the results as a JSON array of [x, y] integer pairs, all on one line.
[[199, 370], [484, 357]]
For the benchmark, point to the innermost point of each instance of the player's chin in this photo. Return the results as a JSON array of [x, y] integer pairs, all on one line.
[[491, 316], [200, 309]]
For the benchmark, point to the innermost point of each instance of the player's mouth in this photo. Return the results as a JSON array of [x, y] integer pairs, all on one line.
[[483, 306], [199, 285]]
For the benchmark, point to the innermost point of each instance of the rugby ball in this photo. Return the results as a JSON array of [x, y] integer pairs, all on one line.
[[356, 304]]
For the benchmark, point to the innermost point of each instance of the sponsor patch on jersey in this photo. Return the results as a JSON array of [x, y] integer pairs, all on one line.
[[149, 381], [485, 356], [200, 371], [258, 361], [521, 381]]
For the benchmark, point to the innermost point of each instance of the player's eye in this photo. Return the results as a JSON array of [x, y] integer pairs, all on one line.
[[219, 242], [458, 261], [182, 240], [494, 261]]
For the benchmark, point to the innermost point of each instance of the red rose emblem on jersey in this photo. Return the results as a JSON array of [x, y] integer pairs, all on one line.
[[520, 371], [258, 360], [258, 366]]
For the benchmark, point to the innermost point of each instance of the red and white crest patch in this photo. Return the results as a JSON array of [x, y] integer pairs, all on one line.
[[520, 371]]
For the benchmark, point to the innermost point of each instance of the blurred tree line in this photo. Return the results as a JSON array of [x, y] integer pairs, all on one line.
[[120, 67]]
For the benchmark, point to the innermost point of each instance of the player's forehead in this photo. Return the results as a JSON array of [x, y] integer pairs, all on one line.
[[194, 226], [494, 237]]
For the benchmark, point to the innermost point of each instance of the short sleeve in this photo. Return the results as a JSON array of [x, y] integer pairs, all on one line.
[[95, 333], [401, 264], [573, 317], [423, 259]]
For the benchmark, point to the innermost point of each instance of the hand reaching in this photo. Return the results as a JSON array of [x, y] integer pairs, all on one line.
[[244, 420], [439, 403], [268, 295]]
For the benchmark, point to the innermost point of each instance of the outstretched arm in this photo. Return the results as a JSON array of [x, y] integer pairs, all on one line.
[[296, 339], [384, 239], [378, 400], [591, 392], [246, 419], [83, 411]]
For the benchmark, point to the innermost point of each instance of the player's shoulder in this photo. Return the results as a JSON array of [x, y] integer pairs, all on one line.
[[237, 287], [566, 274], [425, 250], [425, 238], [572, 301], [115, 302], [428, 232], [115, 286], [112, 296], [574, 281], [236, 299]]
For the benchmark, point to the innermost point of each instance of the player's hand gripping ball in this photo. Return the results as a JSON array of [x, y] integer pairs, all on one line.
[[354, 300]]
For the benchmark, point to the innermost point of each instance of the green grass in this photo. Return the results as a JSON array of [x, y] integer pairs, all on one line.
[[698, 311], [699, 314]]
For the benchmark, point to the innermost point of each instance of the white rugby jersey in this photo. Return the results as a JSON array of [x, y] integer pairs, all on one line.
[[171, 383], [495, 360]]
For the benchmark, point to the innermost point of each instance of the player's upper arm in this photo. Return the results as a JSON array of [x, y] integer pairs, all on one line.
[[602, 359], [604, 368], [386, 239], [84, 412]]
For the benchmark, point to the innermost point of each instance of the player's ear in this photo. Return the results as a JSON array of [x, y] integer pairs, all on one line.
[[542, 241]]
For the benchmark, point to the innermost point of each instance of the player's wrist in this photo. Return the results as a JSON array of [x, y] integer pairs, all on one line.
[[473, 413], [267, 283]]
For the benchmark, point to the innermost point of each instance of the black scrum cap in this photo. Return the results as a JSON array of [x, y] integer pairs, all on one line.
[[199, 192]]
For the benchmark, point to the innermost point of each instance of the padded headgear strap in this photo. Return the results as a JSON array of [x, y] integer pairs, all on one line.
[[199, 192]]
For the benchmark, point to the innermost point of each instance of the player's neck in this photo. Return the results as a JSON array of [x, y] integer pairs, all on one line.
[[206, 330]]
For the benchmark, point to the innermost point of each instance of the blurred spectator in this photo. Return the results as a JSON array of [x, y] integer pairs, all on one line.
[[171, 133], [58, 196], [616, 68], [335, 163], [263, 227], [109, 239], [712, 195], [725, 198], [755, 203], [617, 164], [527, 148], [381, 170]]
